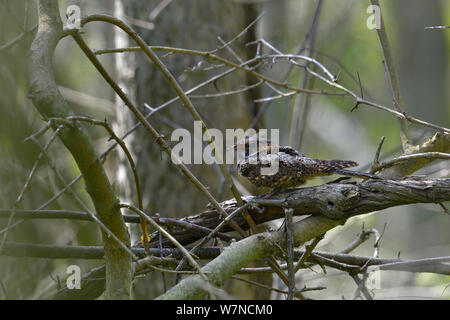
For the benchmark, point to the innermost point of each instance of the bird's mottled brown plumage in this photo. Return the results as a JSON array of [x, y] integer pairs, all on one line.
[[294, 168]]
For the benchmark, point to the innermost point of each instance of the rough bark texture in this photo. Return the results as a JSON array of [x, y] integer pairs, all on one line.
[[335, 201]]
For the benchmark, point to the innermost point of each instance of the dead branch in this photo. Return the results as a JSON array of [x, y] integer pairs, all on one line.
[[336, 201]]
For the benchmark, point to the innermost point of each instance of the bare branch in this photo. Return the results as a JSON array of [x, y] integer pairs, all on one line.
[[437, 27], [393, 80], [336, 201], [262, 245], [49, 102], [434, 265], [415, 156], [289, 226], [308, 250], [25, 187], [159, 139], [239, 254], [376, 159], [17, 39], [186, 253]]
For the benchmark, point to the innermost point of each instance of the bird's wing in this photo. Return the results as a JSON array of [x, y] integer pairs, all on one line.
[[291, 151]]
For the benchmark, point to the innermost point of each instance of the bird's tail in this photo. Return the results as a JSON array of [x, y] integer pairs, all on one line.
[[331, 166]]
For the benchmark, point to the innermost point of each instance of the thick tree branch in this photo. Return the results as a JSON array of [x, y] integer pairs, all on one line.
[[338, 201], [240, 254], [334, 200], [50, 103]]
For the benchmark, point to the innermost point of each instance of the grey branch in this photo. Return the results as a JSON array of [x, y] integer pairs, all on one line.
[[337, 201], [334, 200]]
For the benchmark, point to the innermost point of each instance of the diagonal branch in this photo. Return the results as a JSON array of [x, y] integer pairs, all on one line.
[[180, 92], [159, 139], [393, 80]]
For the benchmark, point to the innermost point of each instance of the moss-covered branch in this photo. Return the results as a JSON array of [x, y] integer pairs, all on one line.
[[50, 103], [241, 253]]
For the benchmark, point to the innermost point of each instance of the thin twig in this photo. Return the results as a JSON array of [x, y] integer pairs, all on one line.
[[270, 58], [444, 208], [362, 237], [227, 93], [289, 225], [437, 27], [299, 117], [275, 267], [308, 250], [152, 260], [159, 139], [424, 155], [376, 159], [163, 276], [184, 98], [214, 232], [25, 187], [439, 265], [244, 31], [361, 283], [168, 236], [393, 79], [143, 224], [263, 286], [17, 39], [158, 9], [360, 101], [129, 218], [83, 205], [138, 124]]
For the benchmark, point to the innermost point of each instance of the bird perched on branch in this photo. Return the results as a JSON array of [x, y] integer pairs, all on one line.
[[286, 167]]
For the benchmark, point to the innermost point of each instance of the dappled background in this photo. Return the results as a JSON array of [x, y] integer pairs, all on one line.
[[325, 129]]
